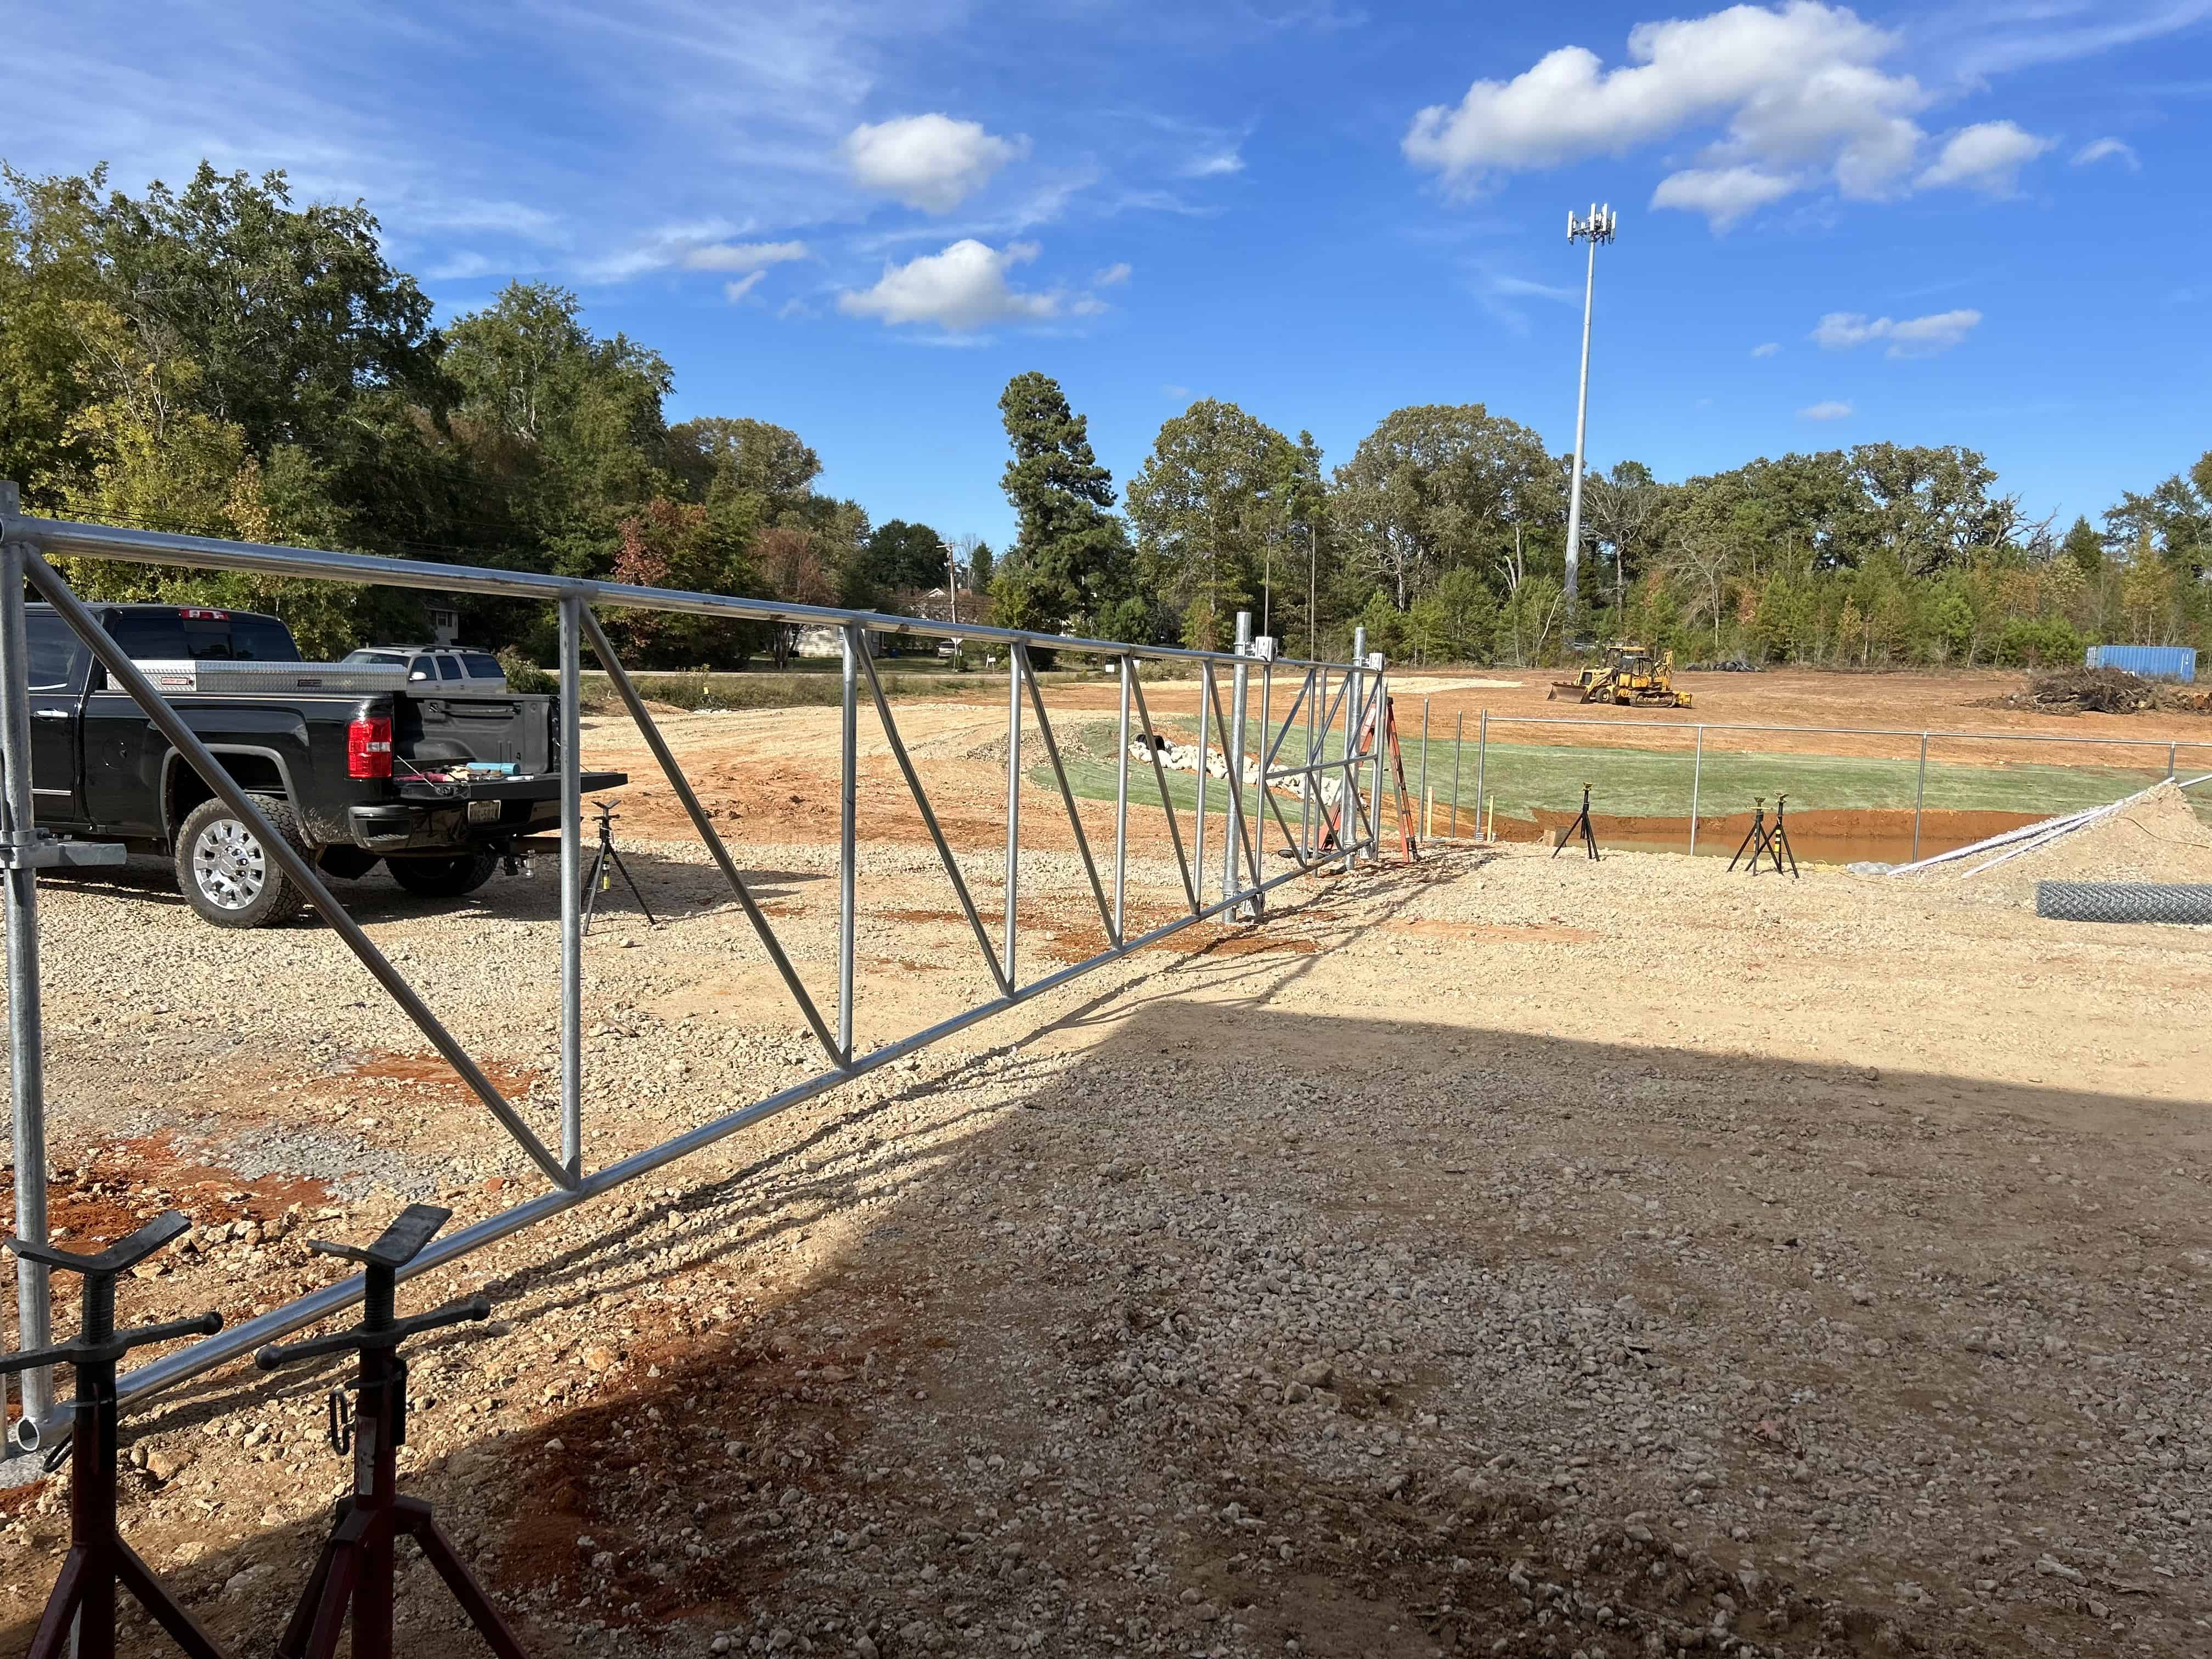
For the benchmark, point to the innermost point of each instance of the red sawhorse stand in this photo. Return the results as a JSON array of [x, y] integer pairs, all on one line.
[[355, 1572], [83, 1601]]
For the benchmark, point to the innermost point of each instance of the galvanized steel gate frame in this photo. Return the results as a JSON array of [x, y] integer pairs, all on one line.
[[1338, 836]]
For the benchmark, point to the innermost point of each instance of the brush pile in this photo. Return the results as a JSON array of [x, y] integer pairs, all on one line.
[[2101, 691]]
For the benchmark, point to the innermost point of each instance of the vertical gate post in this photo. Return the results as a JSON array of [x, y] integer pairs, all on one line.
[[1262, 802], [1121, 802], [1306, 780], [1459, 739], [1423, 791], [1697, 777], [1347, 812], [1920, 798], [572, 880], [1232, 751], [848, 786], [27, 1063], [1013, 802], [1381, 742], [1481, 770]]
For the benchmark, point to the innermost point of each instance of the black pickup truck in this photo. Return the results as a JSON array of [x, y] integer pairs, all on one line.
[[437, 786]]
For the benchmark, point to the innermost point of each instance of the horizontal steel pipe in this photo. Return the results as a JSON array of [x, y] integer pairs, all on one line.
[[94, 541]]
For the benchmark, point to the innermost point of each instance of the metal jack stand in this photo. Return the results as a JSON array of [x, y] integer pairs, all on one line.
[[1754, 839], [604, 863], [1764, 841], [1579, 831], [1777, 842], [356, 1568], [98, 1559]]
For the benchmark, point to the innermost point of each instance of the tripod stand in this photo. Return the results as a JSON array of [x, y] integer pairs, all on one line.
[[1754, 839], [1765, 840], [1580, 828], [1778, 842], [604, 862], [99, 1560], [356, 1567]]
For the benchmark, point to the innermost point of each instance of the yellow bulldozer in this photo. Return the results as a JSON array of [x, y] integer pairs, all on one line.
[[1629, 674]]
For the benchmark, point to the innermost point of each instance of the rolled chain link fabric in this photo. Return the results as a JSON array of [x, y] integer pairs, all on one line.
[[2123, 901]]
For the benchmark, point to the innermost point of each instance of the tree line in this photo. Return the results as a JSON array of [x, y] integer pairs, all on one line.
[[217, 360]]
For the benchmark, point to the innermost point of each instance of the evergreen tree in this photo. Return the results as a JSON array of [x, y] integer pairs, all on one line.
[[1071, 568]]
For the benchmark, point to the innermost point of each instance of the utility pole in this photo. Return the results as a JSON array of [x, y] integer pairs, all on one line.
[[951, 579], [1598, 227], [1313, 589]]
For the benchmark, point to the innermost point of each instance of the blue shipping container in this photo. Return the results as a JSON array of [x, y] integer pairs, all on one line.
[[2150, 662]]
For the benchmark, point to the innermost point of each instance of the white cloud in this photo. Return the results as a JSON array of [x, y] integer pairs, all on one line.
[[1767, 350], [1915, 337], [742, 256], [736, 291], [1723, 195], [2108, 149], [1797, 89], [964, 287], [928, 162], [1987, 156], [1215, 166], [1778, 99], [1831, 411], [1113, 277], [1522, 288]]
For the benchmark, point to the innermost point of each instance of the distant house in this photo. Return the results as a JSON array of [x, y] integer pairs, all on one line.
[[821, 641], [444, 622]]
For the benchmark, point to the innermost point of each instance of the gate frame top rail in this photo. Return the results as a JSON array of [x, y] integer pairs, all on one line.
[[76, 539]]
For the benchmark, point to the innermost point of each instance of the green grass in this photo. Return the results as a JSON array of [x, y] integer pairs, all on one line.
[[1645, 783]]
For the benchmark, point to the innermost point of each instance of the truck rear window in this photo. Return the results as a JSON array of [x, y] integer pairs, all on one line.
[[58, 656], [262, 639], [174, 636]]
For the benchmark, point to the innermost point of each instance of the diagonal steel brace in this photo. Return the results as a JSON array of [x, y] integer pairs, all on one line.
[[297, 869], [936, 834], [606, 651], [1167, 802], [1066, 795]]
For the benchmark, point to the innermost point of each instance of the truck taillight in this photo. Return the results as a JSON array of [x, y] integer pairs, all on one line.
[[368, 747]]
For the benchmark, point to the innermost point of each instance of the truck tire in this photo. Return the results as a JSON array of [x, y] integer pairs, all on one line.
[[451, 878], [228, 876]]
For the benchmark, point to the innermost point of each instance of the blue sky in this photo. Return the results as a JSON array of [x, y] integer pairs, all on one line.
[[1974, 222]]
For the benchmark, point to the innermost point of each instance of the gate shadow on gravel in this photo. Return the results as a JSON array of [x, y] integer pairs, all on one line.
[[1048, 1385]]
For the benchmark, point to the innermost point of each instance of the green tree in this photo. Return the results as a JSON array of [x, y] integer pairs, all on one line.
[[1209, 507], [2085, 547], [683, 545], [564, 429], [297, 331], [900, 556], [1071, 567], [1438, 486], [2175, 519]]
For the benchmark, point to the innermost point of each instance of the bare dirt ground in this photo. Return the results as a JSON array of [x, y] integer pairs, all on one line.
[[1955, 701], [1497, 1255]]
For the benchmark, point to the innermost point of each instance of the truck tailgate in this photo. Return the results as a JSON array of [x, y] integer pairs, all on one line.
[[515, 728]]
